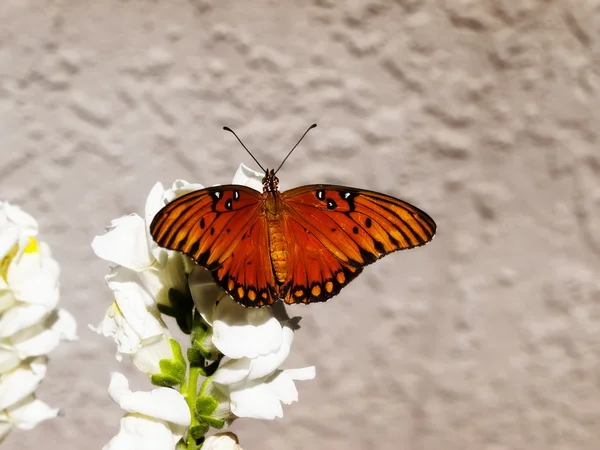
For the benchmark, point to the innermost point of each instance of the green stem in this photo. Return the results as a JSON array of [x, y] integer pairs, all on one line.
[[189, 391]]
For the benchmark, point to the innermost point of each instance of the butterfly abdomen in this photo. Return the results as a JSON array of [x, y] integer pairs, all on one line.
[[277, 241]]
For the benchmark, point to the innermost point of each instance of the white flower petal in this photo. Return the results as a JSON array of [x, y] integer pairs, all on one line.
[[149, 355], [21, 382], [33, 277], [246, 369], [142, 433], [125, 243], [35, 341], [205, 292], [179, 188], [233, 371], [154, 202], [159, 280], [8, 358], [14, 214], [222, 441], [7, 298], [20, 317], [256, 402], [134, 302], [243, 332], [65, 325], [264, 365], [114, 325], [262, 400], [9, 236], [248, 177], [31, 412], [160, 403]]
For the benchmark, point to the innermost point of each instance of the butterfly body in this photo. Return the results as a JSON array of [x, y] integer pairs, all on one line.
[[302, 245]]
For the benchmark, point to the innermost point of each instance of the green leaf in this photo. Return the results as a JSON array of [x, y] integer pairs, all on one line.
[[164, 380], [205, 406], [195, 357], [198, 431], [177, 353], [201, 339], [172, 368]]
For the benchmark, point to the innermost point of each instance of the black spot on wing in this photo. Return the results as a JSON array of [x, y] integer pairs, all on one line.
[[349, 198], [379, 247]]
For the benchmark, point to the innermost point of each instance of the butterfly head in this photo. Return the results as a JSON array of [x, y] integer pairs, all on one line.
[[270, 181]]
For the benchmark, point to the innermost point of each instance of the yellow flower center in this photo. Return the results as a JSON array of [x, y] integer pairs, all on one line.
[[32, 246]]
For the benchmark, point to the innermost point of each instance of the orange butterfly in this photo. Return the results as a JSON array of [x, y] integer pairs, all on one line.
[[302, 245]]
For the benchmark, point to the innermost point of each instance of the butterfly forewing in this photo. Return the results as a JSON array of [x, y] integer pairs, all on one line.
[[207, 225], [396, 224]]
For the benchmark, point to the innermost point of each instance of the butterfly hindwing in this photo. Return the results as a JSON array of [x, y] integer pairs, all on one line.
[[247, 273], [314, 274]]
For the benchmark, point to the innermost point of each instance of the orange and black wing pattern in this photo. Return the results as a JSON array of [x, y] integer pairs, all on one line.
[[222, 228], [345, 229], [314, 274]]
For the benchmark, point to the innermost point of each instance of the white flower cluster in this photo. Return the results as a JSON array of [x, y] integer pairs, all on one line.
[[247, 345], [30, 323]]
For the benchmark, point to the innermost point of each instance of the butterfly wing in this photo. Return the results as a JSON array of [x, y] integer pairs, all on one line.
[[345, 230], [247, 275], [314, 274], [222, 228]]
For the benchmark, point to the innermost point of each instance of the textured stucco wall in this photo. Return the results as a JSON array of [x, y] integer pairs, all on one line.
[[483, 113]]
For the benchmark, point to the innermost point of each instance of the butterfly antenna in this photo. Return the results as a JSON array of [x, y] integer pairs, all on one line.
[[246, 148], [300, 140]]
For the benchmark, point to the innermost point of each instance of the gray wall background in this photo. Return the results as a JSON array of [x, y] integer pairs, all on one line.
[[483, 113]]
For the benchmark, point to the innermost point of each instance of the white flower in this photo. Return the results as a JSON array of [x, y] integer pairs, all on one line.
[[238, 332], [131, 320], [261, 398], [222, 441], [255, 342], [141, 283], [154, 420], [25, 415], [136, 326], [128, 243], [18, 406], [256, 387], [30, 324]]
